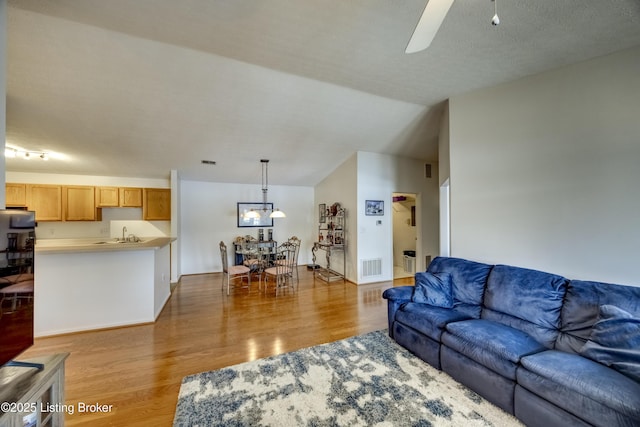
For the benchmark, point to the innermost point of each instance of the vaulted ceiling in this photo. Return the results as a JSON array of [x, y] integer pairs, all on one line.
[[141, 87]]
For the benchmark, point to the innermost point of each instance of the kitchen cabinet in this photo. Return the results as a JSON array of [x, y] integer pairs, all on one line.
[[156, 204], [16, 195], [79, 203], [46, 201], [113, 197], [107, 197], [84, 203], [130, 197]]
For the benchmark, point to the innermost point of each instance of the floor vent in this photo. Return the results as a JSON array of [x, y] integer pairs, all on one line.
[[371, 267]]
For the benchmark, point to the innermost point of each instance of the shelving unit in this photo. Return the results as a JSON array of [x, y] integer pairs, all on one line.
[[34, 398], [331, 240]]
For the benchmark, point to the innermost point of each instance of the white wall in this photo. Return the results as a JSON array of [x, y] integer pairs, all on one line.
[[208, 215], [93, 290], [545, 171]]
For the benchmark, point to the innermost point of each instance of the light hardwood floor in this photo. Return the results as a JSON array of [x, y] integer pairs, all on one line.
[[138, 369]]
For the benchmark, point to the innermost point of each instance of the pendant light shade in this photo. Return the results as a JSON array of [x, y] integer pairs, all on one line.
[[253, 214], [277, 213]]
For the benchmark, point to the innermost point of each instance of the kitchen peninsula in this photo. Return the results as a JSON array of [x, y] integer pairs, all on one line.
[[83, 284]]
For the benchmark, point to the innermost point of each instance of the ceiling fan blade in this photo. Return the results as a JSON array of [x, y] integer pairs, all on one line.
[[430, 21]]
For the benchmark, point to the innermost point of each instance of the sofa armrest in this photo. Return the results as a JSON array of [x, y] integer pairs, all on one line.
[[396, 298], [399, 294]]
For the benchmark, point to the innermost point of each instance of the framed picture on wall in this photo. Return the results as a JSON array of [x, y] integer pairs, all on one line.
[[374, 207], [322, 212], [262, 220]]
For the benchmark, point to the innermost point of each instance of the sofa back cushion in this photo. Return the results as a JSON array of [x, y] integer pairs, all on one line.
[[524, 299], [468, 281], [582, 306], [615, 341]]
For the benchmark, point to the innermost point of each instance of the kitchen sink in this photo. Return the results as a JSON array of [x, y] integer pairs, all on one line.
[[117, 241]]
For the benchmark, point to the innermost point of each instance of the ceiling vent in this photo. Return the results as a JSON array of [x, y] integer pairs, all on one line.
[[208, 162]]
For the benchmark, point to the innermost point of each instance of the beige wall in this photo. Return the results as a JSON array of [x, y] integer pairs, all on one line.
[[3, 92], [544, 171]]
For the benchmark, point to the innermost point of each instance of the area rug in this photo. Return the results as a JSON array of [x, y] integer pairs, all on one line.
[[366, 380]]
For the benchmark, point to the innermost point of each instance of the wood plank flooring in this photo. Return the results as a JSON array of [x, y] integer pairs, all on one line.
[[139, 369]]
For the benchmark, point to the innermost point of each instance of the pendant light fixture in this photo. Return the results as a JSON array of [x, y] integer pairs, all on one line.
[[274, 213]]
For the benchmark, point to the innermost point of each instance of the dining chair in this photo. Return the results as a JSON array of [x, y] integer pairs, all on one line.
[[296, 242], [281, 274], [251, 256], [233, 271]]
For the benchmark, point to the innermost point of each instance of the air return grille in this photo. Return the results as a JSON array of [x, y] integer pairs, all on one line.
[[427, 170], [371, 267]]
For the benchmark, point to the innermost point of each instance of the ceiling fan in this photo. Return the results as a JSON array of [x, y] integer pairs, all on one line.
[[428, 25], [430, 21]]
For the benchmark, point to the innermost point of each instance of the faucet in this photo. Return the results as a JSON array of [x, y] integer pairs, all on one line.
[[124, 230]]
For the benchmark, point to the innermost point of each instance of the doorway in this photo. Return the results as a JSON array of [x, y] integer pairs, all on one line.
[[405, 234]]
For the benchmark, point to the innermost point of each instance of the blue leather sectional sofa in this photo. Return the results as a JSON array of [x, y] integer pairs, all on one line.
[[551, 351]]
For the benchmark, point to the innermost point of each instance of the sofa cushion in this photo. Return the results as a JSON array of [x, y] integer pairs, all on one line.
[[494, 345], [428, 319], [578, 384], [528, 300], [581, 308], [615, 341], [433, 289], [468, 281]]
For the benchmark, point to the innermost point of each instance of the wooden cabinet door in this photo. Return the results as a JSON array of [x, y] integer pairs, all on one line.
[[131, 197], [107, 197], [15, 194], [156, 204], [79, 203], [46, 201]]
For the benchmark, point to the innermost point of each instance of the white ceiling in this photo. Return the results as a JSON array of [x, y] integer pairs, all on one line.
[[141, 87]]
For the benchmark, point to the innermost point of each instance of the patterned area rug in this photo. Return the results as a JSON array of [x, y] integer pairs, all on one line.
[[366, 380]]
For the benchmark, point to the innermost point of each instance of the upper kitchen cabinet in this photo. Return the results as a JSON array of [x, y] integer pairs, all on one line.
[[130, 197], [107, 197], [156, 204], [113, 197], [15, 195], [46, 201], [79, 203]]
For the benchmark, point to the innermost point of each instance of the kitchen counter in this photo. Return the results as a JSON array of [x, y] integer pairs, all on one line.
[[93, 283], [97, 244]]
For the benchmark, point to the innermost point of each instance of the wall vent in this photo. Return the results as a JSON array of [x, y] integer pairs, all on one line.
[[427, 170], [371, 267], [427, 261]]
